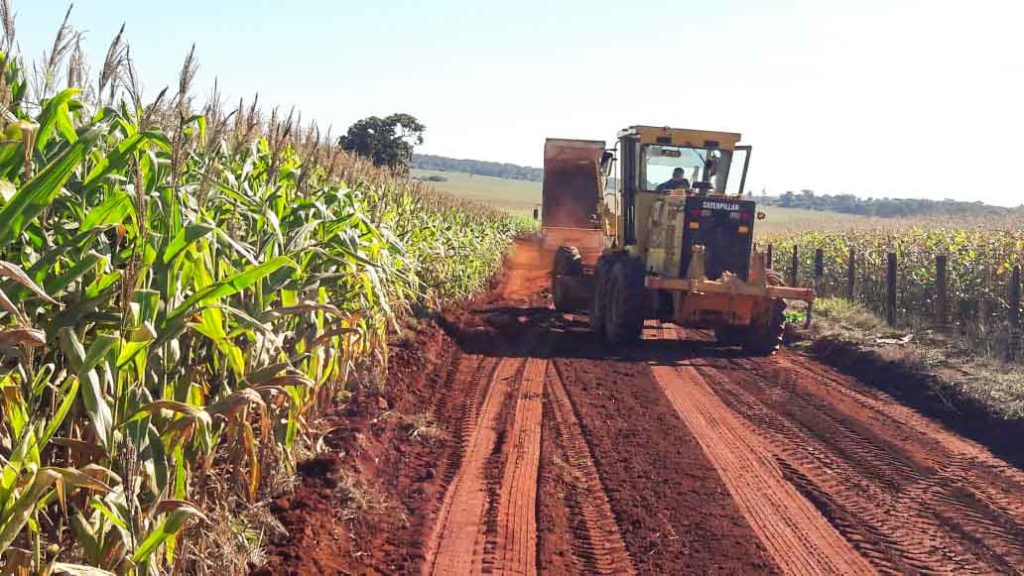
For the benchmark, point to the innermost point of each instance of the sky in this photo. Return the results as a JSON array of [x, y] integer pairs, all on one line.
[[897, 98]]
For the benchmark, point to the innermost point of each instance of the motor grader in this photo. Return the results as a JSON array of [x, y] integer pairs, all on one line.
[[644, 242]]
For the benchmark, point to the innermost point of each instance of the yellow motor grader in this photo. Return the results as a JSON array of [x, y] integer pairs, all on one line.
[[667, 236]]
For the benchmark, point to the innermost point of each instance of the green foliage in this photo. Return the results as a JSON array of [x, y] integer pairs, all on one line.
[[387, 142], [179, 294], [847, 313]]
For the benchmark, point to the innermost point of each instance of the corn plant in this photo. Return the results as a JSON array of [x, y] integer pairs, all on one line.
[[181, 291]]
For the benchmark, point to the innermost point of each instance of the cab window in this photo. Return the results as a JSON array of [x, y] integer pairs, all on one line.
[[659, 161]]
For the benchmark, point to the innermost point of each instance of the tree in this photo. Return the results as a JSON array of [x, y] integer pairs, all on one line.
[[385, 141]]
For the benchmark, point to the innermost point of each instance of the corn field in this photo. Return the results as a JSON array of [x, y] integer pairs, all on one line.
[[979, 267], [181, 291]]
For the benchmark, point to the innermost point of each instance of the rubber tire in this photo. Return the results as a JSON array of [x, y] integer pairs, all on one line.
[[568, 262], [602, 274], [624, 312], [765, 339]]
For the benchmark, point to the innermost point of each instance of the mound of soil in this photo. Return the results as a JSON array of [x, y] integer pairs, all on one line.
[[362, 505], [928, 395]]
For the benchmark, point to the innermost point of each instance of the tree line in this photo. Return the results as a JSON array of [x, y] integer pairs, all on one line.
[[885, 207], [477, 167]]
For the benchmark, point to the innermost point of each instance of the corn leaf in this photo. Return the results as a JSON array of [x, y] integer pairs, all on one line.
[[233, 284], [14, 272], [166, 528], [111, 211], [70, 396], [36, 194], [79, 570], [17, 516], [188, 236], [54, 112]]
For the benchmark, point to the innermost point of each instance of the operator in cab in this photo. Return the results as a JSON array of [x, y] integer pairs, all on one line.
[[677, 182]]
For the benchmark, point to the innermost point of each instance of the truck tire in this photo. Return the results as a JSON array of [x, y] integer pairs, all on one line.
[[624, 302], [765, 339], [602, 274], [568, 263]]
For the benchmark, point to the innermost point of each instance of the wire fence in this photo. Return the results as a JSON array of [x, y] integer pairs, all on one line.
[[915, 289]]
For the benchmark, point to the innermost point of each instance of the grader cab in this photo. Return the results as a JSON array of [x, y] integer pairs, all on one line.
[[672, 240]]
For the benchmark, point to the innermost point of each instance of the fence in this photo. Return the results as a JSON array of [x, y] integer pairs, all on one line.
[[941, 296]]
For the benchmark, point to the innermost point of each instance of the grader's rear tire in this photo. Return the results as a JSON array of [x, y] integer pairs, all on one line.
[[765, 338], [624, 313], [568, 264]]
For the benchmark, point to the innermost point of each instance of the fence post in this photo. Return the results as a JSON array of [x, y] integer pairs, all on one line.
[[768, 257], [941, 291], [1013, 316], [793, 276], [851, 268], [819, 269], [890, 292]]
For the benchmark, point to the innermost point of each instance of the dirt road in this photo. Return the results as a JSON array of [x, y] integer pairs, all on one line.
[[677, 456]]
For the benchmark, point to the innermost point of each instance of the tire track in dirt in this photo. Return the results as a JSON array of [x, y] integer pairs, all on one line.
[[797, 536], [597, 542], [909, 495], [937, 444], [517, 506], [456, 545], [843, 471]]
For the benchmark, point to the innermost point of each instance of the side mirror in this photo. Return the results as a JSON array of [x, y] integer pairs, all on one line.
[[761, 215], [607, 161]]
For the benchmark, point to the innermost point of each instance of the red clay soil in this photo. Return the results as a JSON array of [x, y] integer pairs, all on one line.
[[908, 494], [798, 538], [512, 441], [674, 513]]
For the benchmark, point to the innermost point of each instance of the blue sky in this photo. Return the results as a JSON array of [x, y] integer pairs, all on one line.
[[918, 98]]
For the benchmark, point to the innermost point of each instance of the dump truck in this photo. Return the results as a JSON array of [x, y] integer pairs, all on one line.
[[668, 235]]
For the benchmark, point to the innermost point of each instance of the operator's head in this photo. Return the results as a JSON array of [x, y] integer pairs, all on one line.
[[678, 174]]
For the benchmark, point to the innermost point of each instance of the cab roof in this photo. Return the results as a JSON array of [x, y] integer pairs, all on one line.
[[683, 137]]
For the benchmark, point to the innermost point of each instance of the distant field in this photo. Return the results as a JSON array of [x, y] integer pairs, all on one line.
[[513, 195], [779, 220], [522, 196]]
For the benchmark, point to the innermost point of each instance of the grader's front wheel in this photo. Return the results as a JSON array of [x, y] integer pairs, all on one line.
[[765, 338], [599, 299], [624, 300]]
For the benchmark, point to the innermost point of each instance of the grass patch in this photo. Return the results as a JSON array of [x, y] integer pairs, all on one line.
[[954, 370], [847, 316]]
